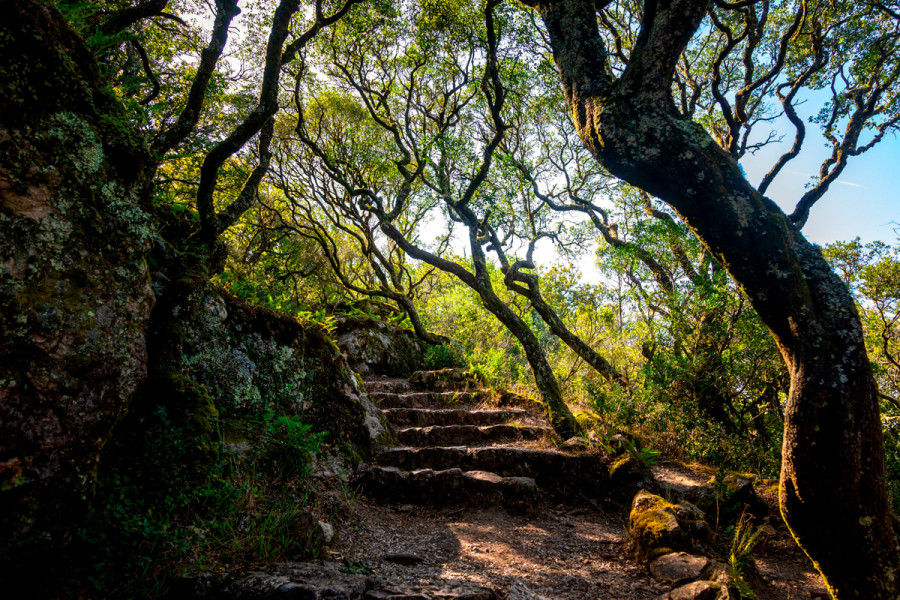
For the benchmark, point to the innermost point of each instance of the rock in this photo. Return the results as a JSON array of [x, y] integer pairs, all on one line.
[[628, 471], [678, 567], [623, 443], [575, 442], [561, 474], [658, 526], [403, 558], [327, 532], [444, 590], [251, 360], [728, 497], [373, 347], [520, 591], [300, 581], [75, 296], [447, 486], [698, 590], [443, 379], [654, 526]]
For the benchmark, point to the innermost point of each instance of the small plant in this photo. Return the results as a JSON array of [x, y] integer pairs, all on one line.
[[740, 556], [288, 446]]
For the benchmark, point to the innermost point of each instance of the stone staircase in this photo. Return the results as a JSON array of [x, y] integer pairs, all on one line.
[[455, 449]]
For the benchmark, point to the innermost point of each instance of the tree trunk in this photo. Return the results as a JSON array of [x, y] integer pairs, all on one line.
[[561, 418], [559, 415], [833, 495], [532, 292]]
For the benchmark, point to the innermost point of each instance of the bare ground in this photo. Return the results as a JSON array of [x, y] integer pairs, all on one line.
[[553, 553]]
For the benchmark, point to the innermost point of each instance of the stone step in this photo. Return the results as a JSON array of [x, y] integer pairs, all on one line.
[[562, 474], [454, 435], [424, 417], [385, 384], [444, 379], [447, 487], [423, 399]]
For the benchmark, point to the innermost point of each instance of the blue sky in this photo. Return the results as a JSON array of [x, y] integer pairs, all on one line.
[[864, 202]]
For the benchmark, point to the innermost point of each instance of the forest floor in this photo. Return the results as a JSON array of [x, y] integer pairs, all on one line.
[[554, 553], [540, 550]]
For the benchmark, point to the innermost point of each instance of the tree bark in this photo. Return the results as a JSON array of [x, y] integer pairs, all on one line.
[[833, 494]]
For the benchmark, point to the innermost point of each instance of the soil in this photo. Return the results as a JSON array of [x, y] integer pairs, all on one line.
[[551, 553]]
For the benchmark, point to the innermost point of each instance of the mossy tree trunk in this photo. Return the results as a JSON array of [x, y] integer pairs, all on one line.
[[833, 493]]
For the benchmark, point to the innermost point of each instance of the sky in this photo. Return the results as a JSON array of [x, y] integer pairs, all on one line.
[[864, 201]]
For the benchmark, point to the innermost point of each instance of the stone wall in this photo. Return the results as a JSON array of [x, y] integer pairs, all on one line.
[[213, 356], [74, 288]]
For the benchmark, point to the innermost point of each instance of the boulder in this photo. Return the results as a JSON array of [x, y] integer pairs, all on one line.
[[658, 527], [373, 347], [678, 567], [75, 295]]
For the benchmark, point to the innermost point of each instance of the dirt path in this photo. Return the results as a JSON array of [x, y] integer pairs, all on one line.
[[560, 553], [464, 497]]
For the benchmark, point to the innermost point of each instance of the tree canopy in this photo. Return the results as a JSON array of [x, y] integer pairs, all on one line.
[[307, 154]]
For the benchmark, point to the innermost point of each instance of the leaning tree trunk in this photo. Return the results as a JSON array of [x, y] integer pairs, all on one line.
[[559, 415], [833, 495], [527, 285], [561, 418]]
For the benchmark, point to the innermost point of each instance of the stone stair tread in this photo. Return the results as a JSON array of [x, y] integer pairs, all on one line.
[[561, 473], [422, 399], [424, 417], [442, 435], [447, 486], [386, 384]]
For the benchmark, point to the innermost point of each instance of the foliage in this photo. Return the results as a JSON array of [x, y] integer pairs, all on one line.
[[740, 556], [168, 506]]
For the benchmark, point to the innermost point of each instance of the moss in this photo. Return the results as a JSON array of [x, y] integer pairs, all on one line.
[[653, 524]]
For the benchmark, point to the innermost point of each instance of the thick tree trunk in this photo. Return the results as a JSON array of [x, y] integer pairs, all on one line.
[[833, 493]]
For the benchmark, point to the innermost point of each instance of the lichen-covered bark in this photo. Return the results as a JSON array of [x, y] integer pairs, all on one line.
[[74, 288], [833, 489]]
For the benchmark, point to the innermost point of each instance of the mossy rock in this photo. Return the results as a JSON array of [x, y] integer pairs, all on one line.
[[654, 527], [189, 406], [628, 470], [659, 527]]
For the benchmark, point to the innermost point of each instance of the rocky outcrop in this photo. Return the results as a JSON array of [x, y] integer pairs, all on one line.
[[251, 362], [74, 288], [373, 347]]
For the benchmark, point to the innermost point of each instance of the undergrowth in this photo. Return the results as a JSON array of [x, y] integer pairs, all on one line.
[[167, 504]]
